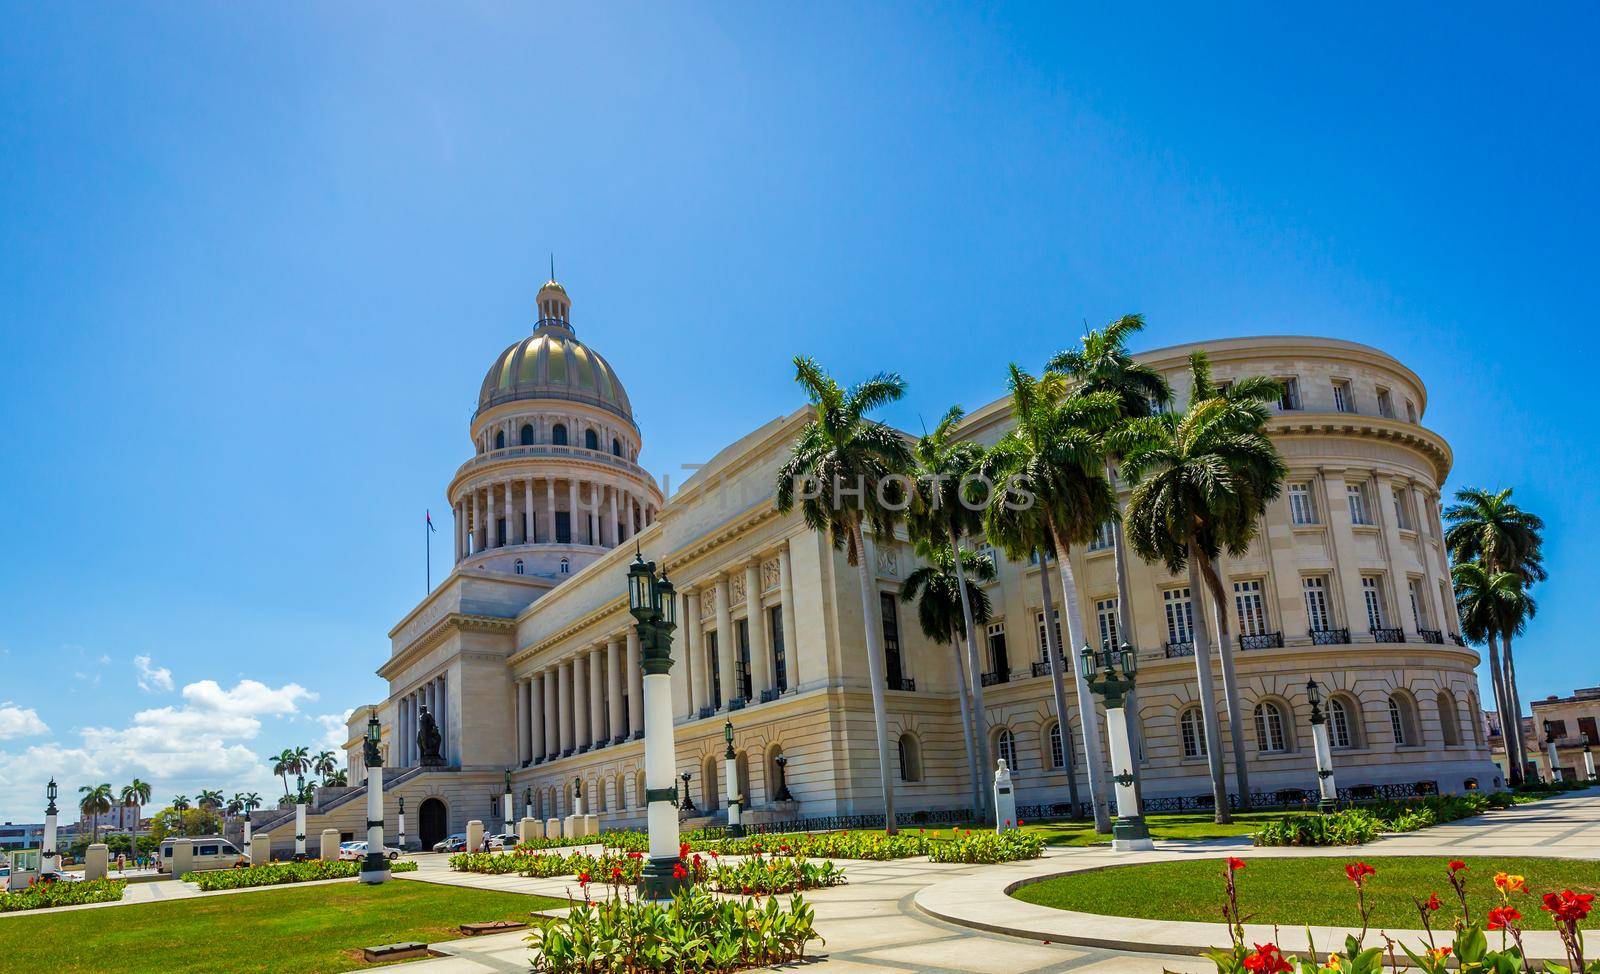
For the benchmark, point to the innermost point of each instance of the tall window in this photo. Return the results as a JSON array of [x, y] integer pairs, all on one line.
[[1385, 403], [910, 759], [563, 527], [1105, 611], [1302, 503], [1104, 537], [891, 640], [1339, 722], [590, 440], [1180, 615], [558, 434], [1449, 726], [1372, 597], [1192, 729], [1402, 511], [714, 666], [1360, 510], [1343, 399], [1058, 755], [1006, 747], [1044, 644], [1270, 737], [500, 440], [1411, 411], [616, 447], [1000, 661], [525, 435], [1252, 608], [1291, 394], [1316, 591], [1419, 605], [780, 672], [741, 662], [1397, 721]]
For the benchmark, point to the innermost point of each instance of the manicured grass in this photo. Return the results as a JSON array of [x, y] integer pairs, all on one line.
[[1315, 891], [308, 930]]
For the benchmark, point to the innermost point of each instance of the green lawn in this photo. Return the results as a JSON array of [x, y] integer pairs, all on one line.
[[1313, 891], [1074, 832], [309, 930]]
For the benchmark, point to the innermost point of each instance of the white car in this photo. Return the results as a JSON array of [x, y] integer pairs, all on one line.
[[358, 850], [505, 840]]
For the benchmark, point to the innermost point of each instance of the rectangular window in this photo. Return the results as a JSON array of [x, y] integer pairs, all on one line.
[[1316, 591], [1586, 730], [1419, 605], [999, 660], [1372, 596], [713, 665], [1411, 411], [780, 672], [1105, 611], [1180, 615], [1302, 503], [1044, 645], [1360, 511], [500, 531], [741, 663], [563, 527], [891, 640], [1385, 403], [1104, 537], [1402, 511], [1290, 400], [1252, 607], [1343, 399]]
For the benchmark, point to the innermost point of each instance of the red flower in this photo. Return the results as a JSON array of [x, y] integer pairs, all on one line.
[[583, 879], [1267, 959], [616, 874], [1433, 902], [1456, 865], [1235, 864], [678, 871], [1019, 823], [683, 850], [1568, 905], [635, 855], [1502, 917], [1358, 872]]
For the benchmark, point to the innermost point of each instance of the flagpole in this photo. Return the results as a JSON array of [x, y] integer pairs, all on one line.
[[427, 537]]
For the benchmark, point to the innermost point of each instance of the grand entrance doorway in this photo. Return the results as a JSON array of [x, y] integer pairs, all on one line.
[[431, 823]]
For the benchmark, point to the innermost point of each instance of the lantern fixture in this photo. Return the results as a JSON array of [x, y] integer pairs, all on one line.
[[374, 730], [641, 587], [666, 602], [508, 782], [1314, 694]]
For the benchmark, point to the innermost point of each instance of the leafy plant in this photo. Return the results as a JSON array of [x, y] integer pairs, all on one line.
[[61, 893], [768, 875], [278, 873], [987, 847]]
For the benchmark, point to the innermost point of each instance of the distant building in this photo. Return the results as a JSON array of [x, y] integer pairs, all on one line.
[[121, 818], [21, 836], [1572, 722]]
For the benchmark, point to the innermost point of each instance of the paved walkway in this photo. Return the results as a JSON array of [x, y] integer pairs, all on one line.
[[913, 915]]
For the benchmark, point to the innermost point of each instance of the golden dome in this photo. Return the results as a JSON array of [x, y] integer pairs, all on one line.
[[552, 364]]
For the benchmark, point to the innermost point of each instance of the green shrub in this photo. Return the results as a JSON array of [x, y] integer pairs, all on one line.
[[1352, 826], [987, 847], [821, 845], [62, 893], [277, 873], [694, 932], [761, 874]]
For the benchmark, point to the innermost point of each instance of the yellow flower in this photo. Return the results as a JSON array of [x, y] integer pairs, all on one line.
[[1334, 963], [1510, 883]]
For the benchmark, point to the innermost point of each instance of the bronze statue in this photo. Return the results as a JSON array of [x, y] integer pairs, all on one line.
[[429, 741]]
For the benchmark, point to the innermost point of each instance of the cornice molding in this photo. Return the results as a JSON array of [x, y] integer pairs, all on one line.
[[436, 633]]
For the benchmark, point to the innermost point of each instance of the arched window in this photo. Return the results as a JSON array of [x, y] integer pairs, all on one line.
[[1477, 718], [598, 789], [518, 566], [1191, 727], [526, 436], [1005, 746], [910, 759], [1056, 758], [1403, 721], [638, 790], [616, 447], [1341, 723], [709, 780], [1270, 737], [590, 440], [558, 434], [500, 440], [621, 786], [1449, 725], [566, 566]]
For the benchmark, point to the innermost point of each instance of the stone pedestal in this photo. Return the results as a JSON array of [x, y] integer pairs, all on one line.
[[1005, 799], [474, 835], [260, 848], [183, 856], [94, 862], [552, 828], [330, 844], [591, 825], [529, 829], [572, 827]]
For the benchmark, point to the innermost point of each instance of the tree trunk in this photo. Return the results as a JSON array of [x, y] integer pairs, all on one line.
[[1208, 696], [875, 670], [966, 719], [1497, 687], [980, 724], [1515, 699], [1052, 647], [1087, 717], [1230, 682]]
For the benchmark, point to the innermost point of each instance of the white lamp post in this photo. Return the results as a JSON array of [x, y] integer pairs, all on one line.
[[1550, 751], [730, 774], [375, 867], [300, 816], [1588, 763], [47, 844], [506, 800], [653, 603], [1110, 673], [527, 803], [1327, 793], [402, 824]]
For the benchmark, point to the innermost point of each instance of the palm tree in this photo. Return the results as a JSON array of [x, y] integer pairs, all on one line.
[[1053, 460], [323, 764], [251, 802], [941, 516], [1201, 484], [338, 778], [1490, 528], [943, 610], [96, 801], [180, 803], [135, 794], [1105, 365], [835, 473], [210, 798], [1486, 605], [290, 760]]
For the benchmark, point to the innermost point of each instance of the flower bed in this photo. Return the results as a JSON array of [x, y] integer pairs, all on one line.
[[1353, 826], [764, 875], [987, 847], [277, 873], [822, 845], [39, 896], [694, 932]]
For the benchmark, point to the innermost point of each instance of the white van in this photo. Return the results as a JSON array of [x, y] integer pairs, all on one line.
[[210, 852]]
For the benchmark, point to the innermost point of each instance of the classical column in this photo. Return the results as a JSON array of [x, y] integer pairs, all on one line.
[[727, 644], [511, 511], [691, 641], [1427, 532], [564, 703], [477, 523], [455, 512], [1346, 568], [619, 714], [791, 639], [572, 505], [536, 717], [522, 721], [626, 528], [594, 514], [760, 656], [597, 713], [550, 505], [408, 733], [442, 715], [530, 530], [552, 713], [635, 685], [491, 537], [580, 702], [611, 497]]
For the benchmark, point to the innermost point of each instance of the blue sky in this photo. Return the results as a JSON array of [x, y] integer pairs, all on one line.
[[253, 267]]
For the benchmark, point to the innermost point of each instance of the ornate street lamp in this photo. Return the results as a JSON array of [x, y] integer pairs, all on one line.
[[1110, 673], [506, 800], [1588, 761], [47, 844], [527, 803], [782, 794], [653, 603], [686, 803], [375, 867], [300, 815], [402, 824], [1550, 751], [1328, 794], [730, 773]]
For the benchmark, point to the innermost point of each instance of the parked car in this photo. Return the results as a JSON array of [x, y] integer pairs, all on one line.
[[358, 850], [451, 843], [505, 840]]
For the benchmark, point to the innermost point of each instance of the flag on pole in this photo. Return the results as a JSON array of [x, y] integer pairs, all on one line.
[[428, 515]]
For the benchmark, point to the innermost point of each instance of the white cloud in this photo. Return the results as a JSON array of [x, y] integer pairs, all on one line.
[[152, 678], [19, 722], [335, 731], [248, 697]]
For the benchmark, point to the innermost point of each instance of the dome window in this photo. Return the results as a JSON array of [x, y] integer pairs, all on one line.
[[500, 440], [526, 435], [558, 434], [616, 447], [590, 440], [566, 566], [518, 567]]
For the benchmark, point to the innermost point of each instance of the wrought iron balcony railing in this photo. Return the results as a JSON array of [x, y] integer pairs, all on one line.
[[904, 683], [1455, 637], [1329, 637], [1181, 648], [995, 677], [1431, 636], [1265, 640], [1387, 635]]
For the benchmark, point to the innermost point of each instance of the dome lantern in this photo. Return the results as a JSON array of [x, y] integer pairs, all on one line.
[[555, 308]]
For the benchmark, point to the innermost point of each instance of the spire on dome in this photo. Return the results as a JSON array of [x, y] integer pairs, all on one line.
[[555, 308]]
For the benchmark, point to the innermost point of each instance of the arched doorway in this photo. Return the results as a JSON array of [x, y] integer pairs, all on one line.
[[432, 822]]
